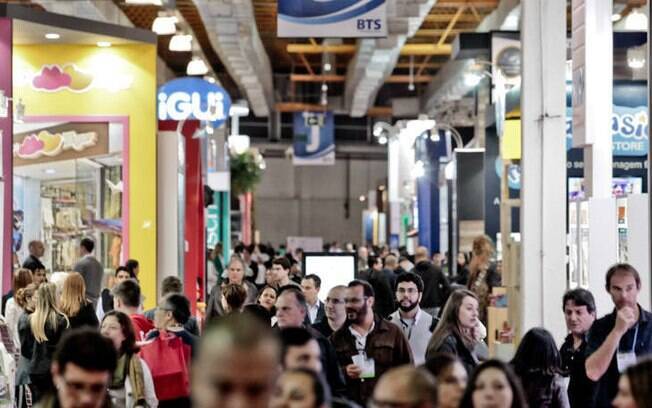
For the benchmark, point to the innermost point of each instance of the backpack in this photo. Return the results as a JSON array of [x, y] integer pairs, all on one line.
[[168, 358]]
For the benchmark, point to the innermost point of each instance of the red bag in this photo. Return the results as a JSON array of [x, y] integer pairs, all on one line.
[[168, 358]]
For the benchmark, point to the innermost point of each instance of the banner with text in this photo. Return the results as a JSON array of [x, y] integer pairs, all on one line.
[[332, 18], [314, 139]]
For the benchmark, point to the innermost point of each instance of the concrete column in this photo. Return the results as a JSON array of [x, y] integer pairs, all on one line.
[[543, 211]]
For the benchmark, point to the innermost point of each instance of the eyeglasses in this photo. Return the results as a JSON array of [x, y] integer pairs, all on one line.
[[409, 291], [355, 300], [94, 389]]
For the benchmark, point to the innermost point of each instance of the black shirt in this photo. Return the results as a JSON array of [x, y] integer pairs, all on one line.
[[323, 327], [33, 263], [580, 388], [607, 386]]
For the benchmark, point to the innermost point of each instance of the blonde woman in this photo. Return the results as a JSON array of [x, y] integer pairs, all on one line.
[[74, 304], [482, 275], [456, 332], [39, 334]]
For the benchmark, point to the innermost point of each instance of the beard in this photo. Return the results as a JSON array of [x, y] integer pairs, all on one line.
[[356, 315], [410, 307]]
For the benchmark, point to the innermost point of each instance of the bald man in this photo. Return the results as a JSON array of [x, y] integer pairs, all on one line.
[[406, 386], [237, 364], [435, 285], [334, 311]]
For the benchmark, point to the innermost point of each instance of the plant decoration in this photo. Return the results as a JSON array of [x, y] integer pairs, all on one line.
[[246, 171]]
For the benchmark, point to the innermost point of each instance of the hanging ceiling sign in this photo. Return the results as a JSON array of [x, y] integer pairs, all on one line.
[[314, 139], [332, 18], [193, 98]]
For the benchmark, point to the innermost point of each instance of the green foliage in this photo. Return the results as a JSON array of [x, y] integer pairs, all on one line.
[[245, 172]]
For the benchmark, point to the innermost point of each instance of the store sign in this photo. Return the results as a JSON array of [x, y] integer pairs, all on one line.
[[332, 18], [629, 129], [314, 139], [193, 98]]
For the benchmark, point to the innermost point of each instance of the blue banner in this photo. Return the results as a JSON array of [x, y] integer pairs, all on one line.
[[193, 98], [314, 138], [630, 130], [332, 18]]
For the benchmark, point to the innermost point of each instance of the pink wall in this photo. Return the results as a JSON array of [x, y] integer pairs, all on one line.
[[6, 127]]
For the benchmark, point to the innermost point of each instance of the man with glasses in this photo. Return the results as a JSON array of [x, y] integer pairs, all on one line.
[[82, 368], [334, 311], [367, 346], [416, 324], [405, 387]]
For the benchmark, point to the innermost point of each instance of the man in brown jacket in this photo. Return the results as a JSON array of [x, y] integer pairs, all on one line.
[[367, 346]]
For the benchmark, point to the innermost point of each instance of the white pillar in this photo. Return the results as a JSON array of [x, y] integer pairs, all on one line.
[[543, 211]]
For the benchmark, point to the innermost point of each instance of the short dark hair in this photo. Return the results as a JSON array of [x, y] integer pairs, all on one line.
[[319, 387], [132, 264], [88, 244], [366, 287], [128, 292], [87, 349], [179, 306], [622, 268], [581, 297], [283, 261], [129, 343], [235, 295], [371, 260], [316, 279], [171, 284], [298, 295], [438, 363], [293, 337], [124, 269], [410, 277]]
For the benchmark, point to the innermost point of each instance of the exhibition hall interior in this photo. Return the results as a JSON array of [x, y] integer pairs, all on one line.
[[325, 203]]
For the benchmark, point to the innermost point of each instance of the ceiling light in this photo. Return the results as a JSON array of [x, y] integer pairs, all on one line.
[[239, 143], [52, 36], [145, 2], [103, 44], [411, 86], [165, 25], [434, 136], [324, 87], [636, 21], [196, 66], [49, 171], [327, 67], [382, 140], [636, 57], [181, 43], [362, 198], [472, 79], [616, 17]]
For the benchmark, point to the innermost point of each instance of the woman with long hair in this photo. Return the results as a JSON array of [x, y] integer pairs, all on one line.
[[482, 275], [494, 384], [40, 333], [456, 332], [26, 300], [267, 298], [300, 388], [538, 364], [22, 277], [635, 386], [451, 379], [131, 384], [80, 311]]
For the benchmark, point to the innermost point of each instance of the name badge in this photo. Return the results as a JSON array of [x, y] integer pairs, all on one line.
[[625, 360], [367, 365]]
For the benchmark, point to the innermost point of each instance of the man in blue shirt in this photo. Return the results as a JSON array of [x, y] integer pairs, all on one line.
[[616, 340]]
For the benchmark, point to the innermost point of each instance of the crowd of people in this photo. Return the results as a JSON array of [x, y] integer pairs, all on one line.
[[406, 332]]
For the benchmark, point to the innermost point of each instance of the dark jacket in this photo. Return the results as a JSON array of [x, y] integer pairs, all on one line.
[[454, 345], [40, 354], [384, 296], [33, 263], [329, 362], [435, 285], [546, 392], [85, 317], [386, 344], [214, 305]]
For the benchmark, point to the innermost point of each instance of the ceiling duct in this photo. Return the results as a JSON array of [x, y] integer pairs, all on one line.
[[375, 59], [232, 30]]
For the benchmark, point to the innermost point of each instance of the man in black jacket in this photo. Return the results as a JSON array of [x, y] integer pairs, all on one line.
[[436, 287]]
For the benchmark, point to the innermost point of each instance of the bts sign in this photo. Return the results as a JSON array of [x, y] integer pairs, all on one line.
[[193, 98], [332, 18]]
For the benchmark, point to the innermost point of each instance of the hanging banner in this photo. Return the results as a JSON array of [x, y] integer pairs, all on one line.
[[332, 18], [314, 139], [629, 129]]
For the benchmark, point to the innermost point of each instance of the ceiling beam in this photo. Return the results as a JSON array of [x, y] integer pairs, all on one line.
[[474, 3], [451, 25], [445, 18], [426, 49], [436, 32], [394, 79], [319, 49], [374, 111]]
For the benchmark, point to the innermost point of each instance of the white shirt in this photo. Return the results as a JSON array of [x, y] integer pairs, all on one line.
[[361, 339], [312, 311]]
